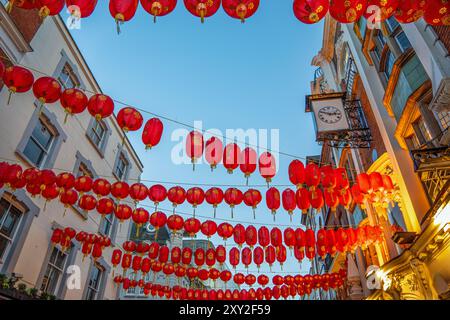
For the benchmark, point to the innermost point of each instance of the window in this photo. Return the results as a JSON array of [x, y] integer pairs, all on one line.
[[97, 133], [402, 41], [392, 24], [10, 217], [55, 270], [106, 225], [39, 144], [412, 142], [121, 167], [444, 119], [389, 64], [67, 77], [422, 132], [84, 171], [94, 282]]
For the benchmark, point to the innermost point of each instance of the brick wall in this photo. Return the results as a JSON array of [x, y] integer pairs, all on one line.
[[377, 143], [443, 33], [27, 21]]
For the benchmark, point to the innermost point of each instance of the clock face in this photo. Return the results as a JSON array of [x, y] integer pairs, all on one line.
[[329, 114]]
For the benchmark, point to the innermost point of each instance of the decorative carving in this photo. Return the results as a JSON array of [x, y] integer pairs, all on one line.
[[441, 101]]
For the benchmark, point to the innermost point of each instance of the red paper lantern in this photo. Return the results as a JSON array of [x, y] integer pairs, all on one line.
[[194, 146], [376, 182], [210, 257], [186, 256], [299, 254], [175, 223], [347, 11], [68, 198], [312, 176], [331, 199], [233, 197], [363, 180], [123, 212], [252, 198], [225, 276], [214, 197], [49, 7], [105, 206], [202, 8], [247, 162], [195, 196], [310, 11], [120, 190], [231, 157], [250, 280], [239, 234], [225, 230], [122, 10], [45, 178], [342, 240], [176, 195], [56, 237], [129, 119], [140, 217], [302, 198], [310, 244], [357, 195], [199, 257], [81, 8], [273, 200], [213, 152], [240, 9], [251, 236], [83, 184], [328, 178], [437, 12], [23, 4], [164, 253], [297, 173], [289, 201], [381, 10], [263, 280], [410, 11], [101, 187], [100, 106], [209, 228], [316, 199], [73, 101], [138, 192], [214, 274], [87, 202], [289, 238], [234, 256], [192, 226], [267, 166], [12, 174], [263, 236], [281, 255], [270, 255], [47, 90], [331, 242], [158, 220], [345, 198], [153, 129], [300, 238], [203, 274], [158, 8], [239, 279], [31, 175], [157, 193], [116, 257], [246, 257], [18, 80], [322, 243], [221, 254], [276, 237], [258, 256]]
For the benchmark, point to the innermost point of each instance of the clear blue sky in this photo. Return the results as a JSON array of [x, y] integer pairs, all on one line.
[[227, 74]]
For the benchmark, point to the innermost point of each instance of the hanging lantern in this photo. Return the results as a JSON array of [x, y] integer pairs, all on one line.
[[263, 236], [239, 279], [23, 4], [73, 101], [214, 197], [195, 196], [221, 254], [225, 276], [153, 251], [214, 274], [239, 235], [213, 152], [202, 8], [289, 201], [316, 199], [203, 274], [129, 119], [186, 256], [233, 197], [87, 202], [47, 90], [247, 162], [347, 11], [175, 255], [157, 193], [345, 198], [199, 257], [299, 254], [258, 256], [123, 212], [81, 8], [270, 255], [268, 294], [158, 8], [252, 198], [129, 246], [246, 257], [83, 184], [100, 106], [105, 206], [192, 226], [116, 257], [342, 240], [49, 7], [164, 253], [410, 11], [331, 199], [12, 174], [267, 166], [175, 223], [278, 280], [302, 198], [240, 9], [297, 173], [276, 237], [146, 266], [376, 182], [273, 200], [86, 249], [310, 244], [358, 196], [18, 80], [312, 177], [50, 193], [140, 217], [208, 228], [225, 231], [210, 257], [31, 176], [68, 198], [231, 156], [289, 238], [281, 255], [251, 236], [158, 220], [122, 11], [437, 12], [328, 178], [381, 10], [56, 237], [194, 146], [322, 245], [153, 129], [250, 280], [342, 182], [363, 180], [234, 256], [331, 242], [101, 187], [138, 192], [120, 190], [176, 195]]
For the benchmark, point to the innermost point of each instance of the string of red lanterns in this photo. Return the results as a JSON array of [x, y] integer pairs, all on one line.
[[435, 12]]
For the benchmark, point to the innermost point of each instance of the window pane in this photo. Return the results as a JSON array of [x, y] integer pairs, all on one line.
[[34, 152], [9, 222], [3, 245], [95, 277], [50, 280], [389, 65], [402, 41], [4, 205], [392, 24], [444, 119], [42, 135]]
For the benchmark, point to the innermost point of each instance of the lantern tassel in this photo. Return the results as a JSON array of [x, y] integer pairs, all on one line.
[[232, 213], [246, 180], [254, 213], [290, 216], [154, 18], [215, 212], [65, 210], [273, 213], [137, 231], [118, 26], [65, 118], [45, 205], [194, 212], [9, 97]]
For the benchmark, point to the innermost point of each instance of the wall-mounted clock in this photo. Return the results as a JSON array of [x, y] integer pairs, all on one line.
[[329, 114]]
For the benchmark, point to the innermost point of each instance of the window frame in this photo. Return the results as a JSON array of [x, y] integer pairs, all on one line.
[[100, 148], [45, 151], [10, 240], [61, 271], [122, 153]]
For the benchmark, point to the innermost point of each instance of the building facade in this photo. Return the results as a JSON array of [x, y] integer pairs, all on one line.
[[399, 76], [35, 137]]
